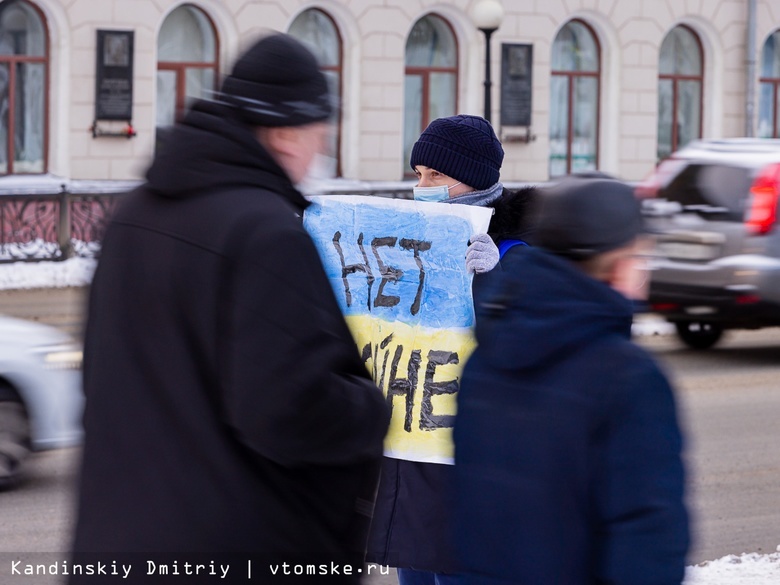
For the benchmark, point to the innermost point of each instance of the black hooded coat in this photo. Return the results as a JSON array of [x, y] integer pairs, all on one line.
[[227, 409]]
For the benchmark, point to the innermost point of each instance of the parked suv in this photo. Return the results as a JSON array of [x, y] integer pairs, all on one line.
[[713, 208]]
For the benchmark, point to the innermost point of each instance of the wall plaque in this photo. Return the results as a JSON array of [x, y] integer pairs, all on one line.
[[516, 86], [114, 75]]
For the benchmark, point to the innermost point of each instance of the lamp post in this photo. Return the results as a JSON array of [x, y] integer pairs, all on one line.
[[487, 16]]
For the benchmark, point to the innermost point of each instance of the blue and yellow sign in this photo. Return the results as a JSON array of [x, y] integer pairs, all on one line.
[[398, 270]]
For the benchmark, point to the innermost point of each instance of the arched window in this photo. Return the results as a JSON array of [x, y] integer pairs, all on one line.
[[431, 81], [769, 99], [187, 65], [24, 63], [318, 32], [574, 100], [680, 78]]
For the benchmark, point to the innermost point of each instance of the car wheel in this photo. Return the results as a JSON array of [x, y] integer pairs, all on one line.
[[697, 335], [14, 440]]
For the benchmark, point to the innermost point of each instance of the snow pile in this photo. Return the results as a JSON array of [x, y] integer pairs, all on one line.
[[745, 569], [43, 274]]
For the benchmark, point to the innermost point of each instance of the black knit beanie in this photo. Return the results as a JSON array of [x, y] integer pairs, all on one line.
[[277, 82], [462, 147]]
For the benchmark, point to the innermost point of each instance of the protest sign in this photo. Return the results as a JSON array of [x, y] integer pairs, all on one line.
[[398, 270]]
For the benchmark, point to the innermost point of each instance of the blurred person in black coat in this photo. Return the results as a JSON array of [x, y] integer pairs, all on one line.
[[228, 414]]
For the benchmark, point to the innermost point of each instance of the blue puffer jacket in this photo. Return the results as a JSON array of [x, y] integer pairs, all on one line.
[[568, 451]]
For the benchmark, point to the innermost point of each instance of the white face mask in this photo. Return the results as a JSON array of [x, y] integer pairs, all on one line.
[[322, 167], [433, 194]]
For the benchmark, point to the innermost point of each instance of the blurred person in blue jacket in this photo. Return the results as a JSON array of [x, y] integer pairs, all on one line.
[[567, 444]]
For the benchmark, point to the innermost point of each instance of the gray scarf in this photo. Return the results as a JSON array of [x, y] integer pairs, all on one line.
[[481, 198]]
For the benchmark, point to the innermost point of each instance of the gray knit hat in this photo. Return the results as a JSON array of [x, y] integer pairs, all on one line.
[[462, 147], [579, 217]]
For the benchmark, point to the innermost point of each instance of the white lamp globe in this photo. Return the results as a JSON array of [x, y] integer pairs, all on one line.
[[487, 14]]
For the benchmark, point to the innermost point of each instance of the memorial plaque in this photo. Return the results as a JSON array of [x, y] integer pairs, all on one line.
[[114, 75], [516, 86]]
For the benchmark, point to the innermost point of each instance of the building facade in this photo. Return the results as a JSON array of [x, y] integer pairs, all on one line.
[[87, 86]]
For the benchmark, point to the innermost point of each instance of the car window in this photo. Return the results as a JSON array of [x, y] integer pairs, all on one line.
[[716, 192]]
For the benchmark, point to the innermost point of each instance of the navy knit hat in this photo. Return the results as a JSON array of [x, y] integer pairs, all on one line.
[[277, 82], [462, 147]]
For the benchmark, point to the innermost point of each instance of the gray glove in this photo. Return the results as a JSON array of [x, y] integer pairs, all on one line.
[[482, 254]]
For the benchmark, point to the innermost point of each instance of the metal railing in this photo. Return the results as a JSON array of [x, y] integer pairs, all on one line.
[[38, 224], [68, 220], [53, 226]]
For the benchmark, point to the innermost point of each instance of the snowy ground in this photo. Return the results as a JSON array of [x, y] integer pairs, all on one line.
[[21, 275], [745, 569]]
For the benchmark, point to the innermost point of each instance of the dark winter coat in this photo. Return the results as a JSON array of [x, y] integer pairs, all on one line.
[[227, 408], [567, 446], [412, 526]]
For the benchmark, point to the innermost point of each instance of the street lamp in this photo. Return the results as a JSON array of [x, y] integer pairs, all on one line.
[[487, 16]]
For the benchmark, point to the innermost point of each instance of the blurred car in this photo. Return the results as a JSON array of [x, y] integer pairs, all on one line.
[[40, 392], [713, 209]]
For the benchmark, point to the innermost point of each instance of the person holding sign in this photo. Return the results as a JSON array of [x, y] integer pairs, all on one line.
[[567, 444], [457, 161], [229, 417]]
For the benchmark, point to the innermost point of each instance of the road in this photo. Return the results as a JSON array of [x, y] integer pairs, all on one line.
[[60, 307], [730, 404], [729, 401]]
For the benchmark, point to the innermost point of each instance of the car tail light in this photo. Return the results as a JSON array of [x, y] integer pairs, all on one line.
[[664, 307], [762, 212], [748, 299]]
